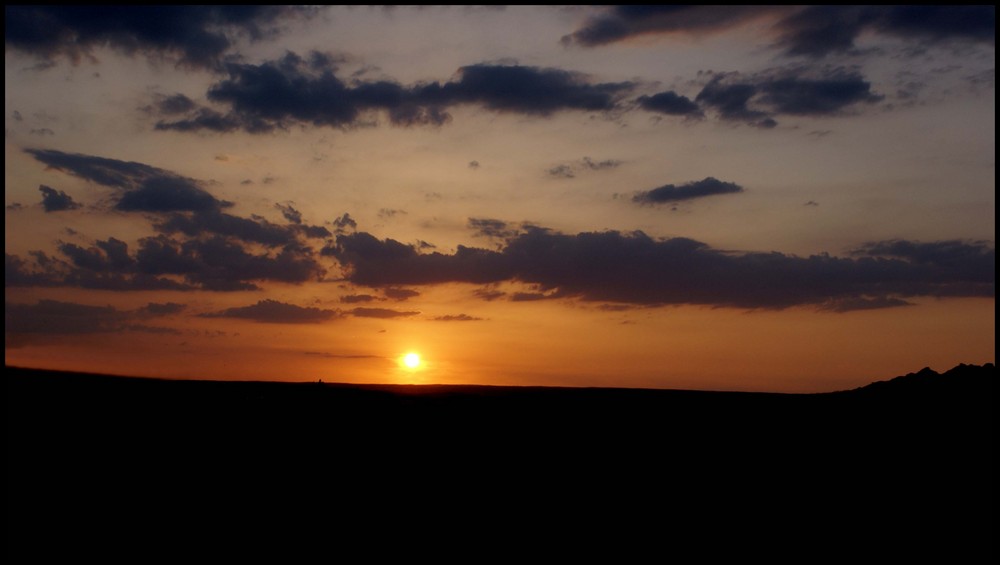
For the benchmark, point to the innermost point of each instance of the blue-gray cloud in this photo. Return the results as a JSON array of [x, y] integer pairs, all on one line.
[[298, 90], [671, 103], [143, 188], [192, 35], [56, 200], [634, 268], [696, 189], [756, 99], [813, 31]]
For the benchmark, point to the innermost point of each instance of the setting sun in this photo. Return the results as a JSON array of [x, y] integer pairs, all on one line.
[[411, 360]]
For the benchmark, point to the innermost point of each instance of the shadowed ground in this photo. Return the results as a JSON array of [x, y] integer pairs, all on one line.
[[101, 467]]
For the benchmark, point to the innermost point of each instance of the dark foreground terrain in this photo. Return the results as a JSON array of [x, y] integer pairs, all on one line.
[[110, 467]]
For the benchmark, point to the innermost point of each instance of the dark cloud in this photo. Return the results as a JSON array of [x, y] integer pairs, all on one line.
[[489, 294], [174, 104], [973, 261], [852, 304], [457, 318], [687, 191], [797, 91], [813, 31], [290, 213], [384, 313], [167, 194], [56, 200], [671, 103], [191, 35], [306, 90], [619, 23], [473, 164], [400, 294], [817, 31], [162, 263], [55, 317], [527, 90], [145, 188], [814, 97], [257, 230], [634, 268], [357, 298], [41, 131], [100, 268], [274, 312], [344, 224], [14, 207], [489, 227]]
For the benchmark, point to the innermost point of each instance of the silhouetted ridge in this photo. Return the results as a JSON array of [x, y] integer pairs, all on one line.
[[961, 379]]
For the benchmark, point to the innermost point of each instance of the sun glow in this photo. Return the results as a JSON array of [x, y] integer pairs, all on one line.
[[411, 360]]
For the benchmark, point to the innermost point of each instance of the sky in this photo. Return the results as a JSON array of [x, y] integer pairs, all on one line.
[[786, 199]]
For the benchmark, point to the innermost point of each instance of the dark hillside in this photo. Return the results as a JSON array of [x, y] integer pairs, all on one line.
[[116, 467]]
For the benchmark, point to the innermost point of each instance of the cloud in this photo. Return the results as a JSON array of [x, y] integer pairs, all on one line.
[[813, 31], [792, 91], [972, 260], [195, 36], [569, 170], [174, 104], [274, 312], [386, 213], [473, 164], [340, 355], [852, 304], [457, 318], [290, 213], [633, 268], [620, 23], [56, 317], [817, 31], [527, 90], [344, 224], [297, 90], [93, 268], [144, 188], [161, 263], [671, 103], [400, 294], [489, 227], [56, 200], [384, 313], [257, 230], [695, 189], [356, 298]]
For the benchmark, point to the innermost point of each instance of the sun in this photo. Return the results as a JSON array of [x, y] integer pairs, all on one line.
[[411, 360]]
